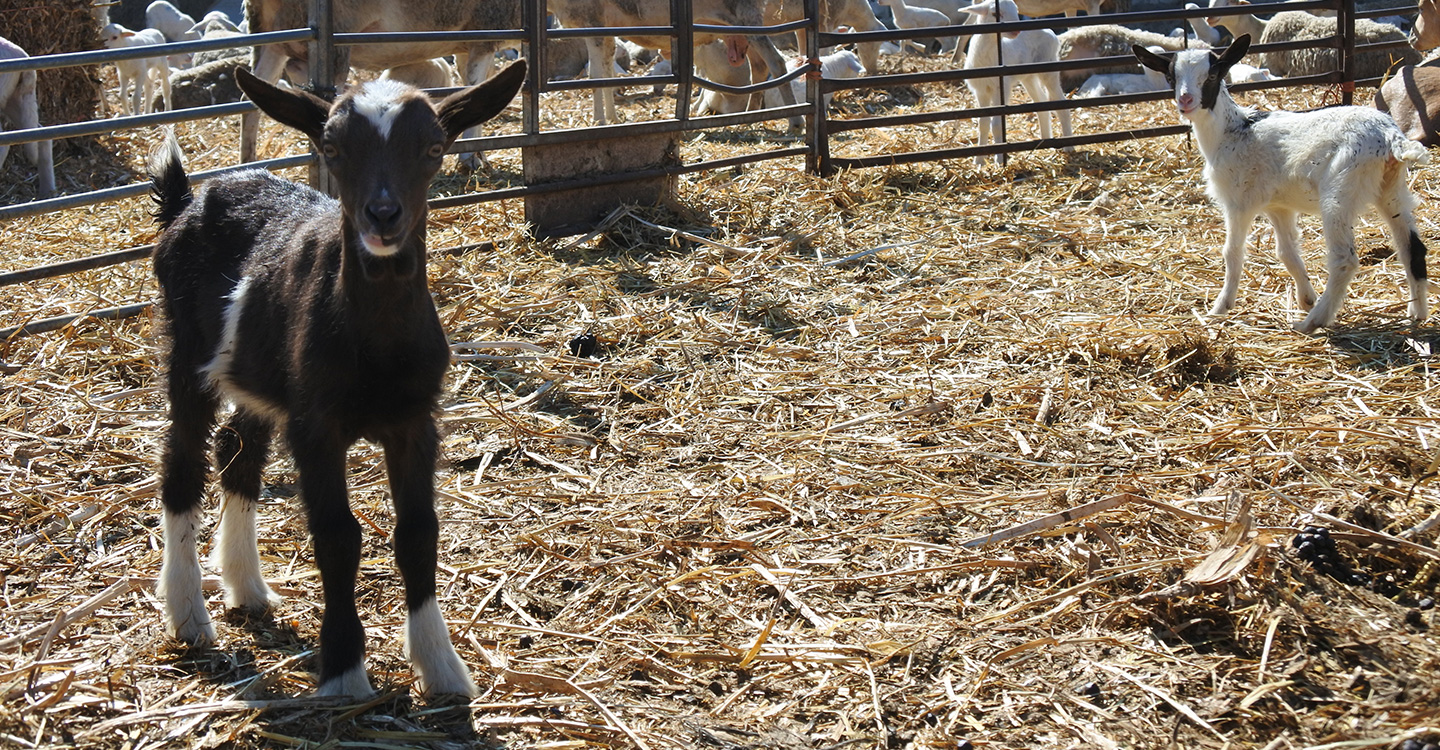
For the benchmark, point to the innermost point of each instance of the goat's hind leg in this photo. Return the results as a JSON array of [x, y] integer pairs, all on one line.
[[1397, 211], [1287, 247], [410, 459], [1341, 264], [182, 489], [240, 454]]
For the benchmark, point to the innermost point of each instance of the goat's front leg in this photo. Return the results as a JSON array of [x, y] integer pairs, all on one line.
[[1287, 246], [242, 447], [1341, 264], [182, 488], [602, 59], [320, 458], [1237, 229], [410, 459]]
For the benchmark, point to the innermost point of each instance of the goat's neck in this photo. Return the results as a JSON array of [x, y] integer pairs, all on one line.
[[373, 284], [1217, 125]]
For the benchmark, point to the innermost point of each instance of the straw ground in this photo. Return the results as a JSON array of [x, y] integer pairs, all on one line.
[[758, 517]]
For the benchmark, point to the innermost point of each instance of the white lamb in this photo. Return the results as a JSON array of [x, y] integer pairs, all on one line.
[[137, 73], [176, 25], [917, 17], [1242, 73], [1111, 84], [19, 109], [1333, 162], [1019, 48], [1204, 32], [838, 64]]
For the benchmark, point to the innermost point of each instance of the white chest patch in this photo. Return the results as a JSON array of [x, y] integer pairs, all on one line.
[[380, 102]]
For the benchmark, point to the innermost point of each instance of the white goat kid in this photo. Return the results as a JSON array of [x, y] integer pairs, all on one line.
[[135, 75], [1333, 162], [1018, 48]]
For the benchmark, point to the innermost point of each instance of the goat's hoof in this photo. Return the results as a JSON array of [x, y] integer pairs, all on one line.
[[196, 631], [354, 683], [1308, 326], [452, 680], [255, 600]]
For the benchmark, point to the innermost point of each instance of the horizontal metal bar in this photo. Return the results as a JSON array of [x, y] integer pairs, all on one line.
[[629, 129], [912, 157], [725, 30], [754, 88], [101, 127], [606, 83], [96, 57], [64, 268], [612, 179], [397, 37], [594, 31], [136, 189], [51, 324]]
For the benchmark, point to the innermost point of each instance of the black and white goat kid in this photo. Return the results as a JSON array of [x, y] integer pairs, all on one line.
[[312, 316], [1334, 163]]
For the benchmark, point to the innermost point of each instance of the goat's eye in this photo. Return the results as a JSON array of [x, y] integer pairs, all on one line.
[[329, 150], [437, 151]]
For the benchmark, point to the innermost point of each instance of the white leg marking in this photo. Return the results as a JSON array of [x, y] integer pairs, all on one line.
[[353, 684], [180, 581], [427, 643], [237, 555]]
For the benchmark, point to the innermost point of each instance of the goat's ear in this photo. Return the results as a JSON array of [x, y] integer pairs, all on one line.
[[1159, 63], [470, 107], [1235, 51], [301, 110]]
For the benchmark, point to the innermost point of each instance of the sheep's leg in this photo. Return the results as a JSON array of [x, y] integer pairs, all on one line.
[[1399, 219], [1038, 92], [164, 69], [146, 87], [268, 64], [1054, 93], [602, 51], [24, 111], [1237, 228], [241, 450], [410, 460], [475, 68], [320, 457], [1341, 264], [182, 487]]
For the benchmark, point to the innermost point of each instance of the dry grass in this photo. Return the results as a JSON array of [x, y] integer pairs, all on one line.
[[744, 524]]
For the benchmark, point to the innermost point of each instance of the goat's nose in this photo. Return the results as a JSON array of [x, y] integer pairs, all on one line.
[[383, 211]]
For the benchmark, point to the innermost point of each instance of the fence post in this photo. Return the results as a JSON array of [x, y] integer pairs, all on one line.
[[537, 52], [815, 130], [322, 80], [682, 54], [1345, 25]]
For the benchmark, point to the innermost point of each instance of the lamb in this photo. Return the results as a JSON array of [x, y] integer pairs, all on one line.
[[1412, 99], [712, 63], [1108, 40], [312, 315], [1242, 73], [204, 85], [1025, 48], [1110, 84], [175, 25], [1332, 162], [855, 15], [1294, 25], [1204, 32], [916, 17], [135, 75], [21, 110]]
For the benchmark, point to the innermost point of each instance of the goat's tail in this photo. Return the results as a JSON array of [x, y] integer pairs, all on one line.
[[169, 185], [1411, 152]]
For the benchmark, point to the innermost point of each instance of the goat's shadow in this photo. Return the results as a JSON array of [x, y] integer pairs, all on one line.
[[1387, 346]]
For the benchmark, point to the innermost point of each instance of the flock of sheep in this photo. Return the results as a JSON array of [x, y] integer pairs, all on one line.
[[207, 77]]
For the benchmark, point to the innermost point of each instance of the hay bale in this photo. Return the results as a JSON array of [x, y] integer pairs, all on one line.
[[47, 27]]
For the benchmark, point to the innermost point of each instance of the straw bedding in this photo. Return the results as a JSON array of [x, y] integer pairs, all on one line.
[[762, 515]]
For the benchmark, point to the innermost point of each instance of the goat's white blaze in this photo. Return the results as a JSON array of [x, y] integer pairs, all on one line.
[[237, 554], [379, 102], [427, 643], [180, 580]]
